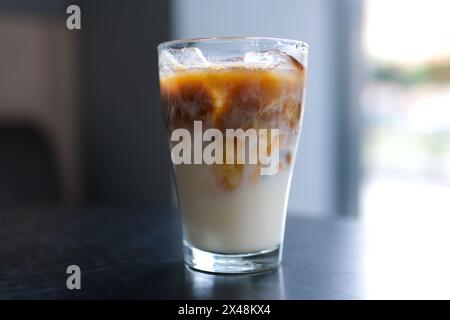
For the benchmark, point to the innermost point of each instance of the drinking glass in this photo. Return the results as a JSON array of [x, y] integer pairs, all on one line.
[[233, 112]]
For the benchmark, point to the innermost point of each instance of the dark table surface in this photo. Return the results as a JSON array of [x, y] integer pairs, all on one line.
[[136, 253]]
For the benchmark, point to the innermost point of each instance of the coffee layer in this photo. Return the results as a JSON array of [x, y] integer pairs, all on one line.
[[233, 98]]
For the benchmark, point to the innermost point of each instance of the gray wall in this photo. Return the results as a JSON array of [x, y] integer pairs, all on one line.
[[126, 157], [314, 186]]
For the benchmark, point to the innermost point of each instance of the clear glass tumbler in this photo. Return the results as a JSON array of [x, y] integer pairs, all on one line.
[[233, 111]]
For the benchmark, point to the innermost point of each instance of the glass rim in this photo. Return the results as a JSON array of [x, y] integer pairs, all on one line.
[[171, 43]]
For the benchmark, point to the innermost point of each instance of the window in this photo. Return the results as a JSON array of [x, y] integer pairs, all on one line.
[[406, 110]]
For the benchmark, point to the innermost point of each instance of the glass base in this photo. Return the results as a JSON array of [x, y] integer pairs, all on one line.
[[231, 263]]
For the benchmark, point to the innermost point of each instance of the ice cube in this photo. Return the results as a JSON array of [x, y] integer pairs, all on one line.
[[168, 62], [191, 57], [171, 60], [271, 59]]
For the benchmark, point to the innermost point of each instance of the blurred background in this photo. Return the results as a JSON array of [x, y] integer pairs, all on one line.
[[80, 121]]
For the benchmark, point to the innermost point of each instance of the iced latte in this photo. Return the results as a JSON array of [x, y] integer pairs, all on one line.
[[239, 101]]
